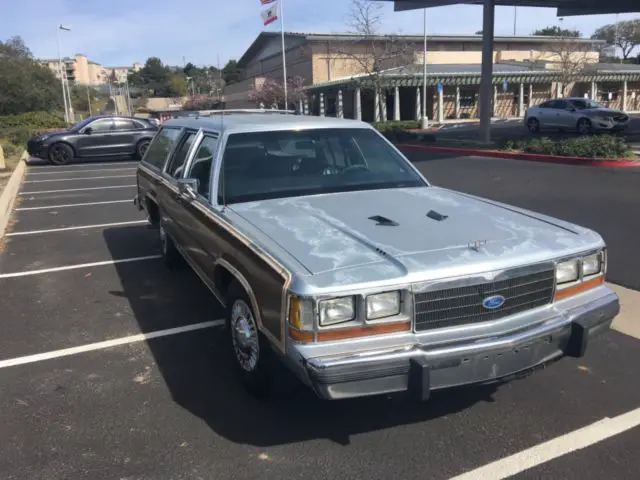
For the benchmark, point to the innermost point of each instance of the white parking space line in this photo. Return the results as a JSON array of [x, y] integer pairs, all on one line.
[[555, 448], [76, 189], [55, 171], [68, 205], [78, 178], [42, 271], [78, 227], [39, 357], [86, 165]]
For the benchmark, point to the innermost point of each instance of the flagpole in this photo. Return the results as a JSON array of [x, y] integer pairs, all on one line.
[[284, 59]]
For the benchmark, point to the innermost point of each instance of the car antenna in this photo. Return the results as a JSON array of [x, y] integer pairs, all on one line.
[[222, 182]]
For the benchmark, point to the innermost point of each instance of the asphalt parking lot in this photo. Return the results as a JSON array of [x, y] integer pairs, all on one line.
[[155, 398]]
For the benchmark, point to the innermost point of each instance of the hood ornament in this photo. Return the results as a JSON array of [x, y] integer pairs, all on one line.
[[476, 244]]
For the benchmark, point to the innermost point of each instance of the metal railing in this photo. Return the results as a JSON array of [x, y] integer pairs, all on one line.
[[248, 110]]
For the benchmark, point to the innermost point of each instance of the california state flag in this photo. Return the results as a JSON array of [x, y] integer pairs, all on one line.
[[270, 14]]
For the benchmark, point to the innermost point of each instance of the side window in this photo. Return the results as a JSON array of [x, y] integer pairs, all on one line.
[[559, 104], [160, 147], [102, 125], [201, 165], [176, 165], [124, 124], [545, 105]]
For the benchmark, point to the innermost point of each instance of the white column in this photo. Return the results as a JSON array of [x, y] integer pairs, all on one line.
[[396, 103], [495, 100], [340, 105], [594, 91], [530, 94], [418, 104], [625, 94], [300, 106], [322, 112], [521, 101], [441, 105], [559, 88], [306, 105], [376, 105], [358, 99], [457, 111]]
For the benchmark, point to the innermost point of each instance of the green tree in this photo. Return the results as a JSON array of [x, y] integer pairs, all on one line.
[[25, 85], [231, 73], [626, 35], [177, 86], [556, 31]]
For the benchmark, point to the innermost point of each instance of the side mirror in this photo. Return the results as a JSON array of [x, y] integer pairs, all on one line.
[[88, 130], [188, 188]]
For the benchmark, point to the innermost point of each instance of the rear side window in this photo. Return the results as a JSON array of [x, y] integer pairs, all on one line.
[[176, 165], [160, 147]]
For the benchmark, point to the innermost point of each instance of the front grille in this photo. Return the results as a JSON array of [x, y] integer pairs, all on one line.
[[463, 305]]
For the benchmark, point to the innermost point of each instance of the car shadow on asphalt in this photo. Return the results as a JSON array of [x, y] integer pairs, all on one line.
[[198, 372]]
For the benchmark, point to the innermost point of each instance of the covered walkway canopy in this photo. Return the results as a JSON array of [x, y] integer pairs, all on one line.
[[564, 8]]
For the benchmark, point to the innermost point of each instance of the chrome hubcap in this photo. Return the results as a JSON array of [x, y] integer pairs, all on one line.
[[244, 334], [583, 127]]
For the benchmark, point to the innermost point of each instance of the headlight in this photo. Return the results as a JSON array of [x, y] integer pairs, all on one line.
[[567, 271], [336, 310], [42, 138], [383, 305], [592, 264]]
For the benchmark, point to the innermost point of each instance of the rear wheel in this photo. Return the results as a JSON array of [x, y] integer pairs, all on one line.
[[584, 126], [170, 254], [60, 154], [533, 125], [141, 148]]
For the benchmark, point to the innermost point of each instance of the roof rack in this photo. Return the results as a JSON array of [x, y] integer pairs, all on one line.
[[250, 110]]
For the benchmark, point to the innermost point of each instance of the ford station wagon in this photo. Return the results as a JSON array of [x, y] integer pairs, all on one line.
[[335, 257]]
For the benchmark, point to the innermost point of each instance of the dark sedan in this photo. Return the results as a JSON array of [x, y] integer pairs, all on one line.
[[97, 136]]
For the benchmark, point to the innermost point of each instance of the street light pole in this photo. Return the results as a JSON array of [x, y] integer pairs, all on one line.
[[62, 72], [425, 120]]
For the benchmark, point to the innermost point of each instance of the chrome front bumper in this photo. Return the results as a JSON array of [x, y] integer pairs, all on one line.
[[420, 369]]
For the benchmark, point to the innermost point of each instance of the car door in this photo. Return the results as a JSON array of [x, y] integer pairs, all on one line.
[[95, 138], [564, 113], [201, 239], [124, 137], [170, 201]]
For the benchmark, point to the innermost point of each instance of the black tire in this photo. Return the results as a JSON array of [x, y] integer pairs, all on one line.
[[141, 148], [584, 126], [170, 254], [60, 154], [253, 359], [533, 125]]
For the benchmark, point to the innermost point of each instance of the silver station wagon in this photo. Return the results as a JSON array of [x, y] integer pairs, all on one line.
[[333, 255]]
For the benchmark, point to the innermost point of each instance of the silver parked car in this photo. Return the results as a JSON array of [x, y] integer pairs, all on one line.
[[335, 256], [574, 114]]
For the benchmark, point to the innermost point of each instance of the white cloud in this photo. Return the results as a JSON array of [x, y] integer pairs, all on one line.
[[121, 32]]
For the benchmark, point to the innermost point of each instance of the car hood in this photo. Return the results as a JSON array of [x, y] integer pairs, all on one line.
[[335, 232], [603, 111]]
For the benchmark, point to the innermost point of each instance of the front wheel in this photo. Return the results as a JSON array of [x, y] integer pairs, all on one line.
[[249, 349], [60, 154]]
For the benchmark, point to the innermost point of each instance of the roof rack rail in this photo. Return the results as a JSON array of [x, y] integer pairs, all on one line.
[[250, 110]]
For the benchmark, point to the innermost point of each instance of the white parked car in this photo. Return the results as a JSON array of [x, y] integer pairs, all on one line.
[[574, 114]]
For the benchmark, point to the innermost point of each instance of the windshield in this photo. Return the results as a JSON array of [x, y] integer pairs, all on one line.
[[81, 123], [582, 104], [266, 165]]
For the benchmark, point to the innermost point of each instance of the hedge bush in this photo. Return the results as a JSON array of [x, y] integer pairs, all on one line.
[[396, 125], [17, 129], [591, 146]]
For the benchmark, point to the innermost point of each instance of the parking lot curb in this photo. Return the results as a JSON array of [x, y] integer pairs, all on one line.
[[532, 157], [8, 195]]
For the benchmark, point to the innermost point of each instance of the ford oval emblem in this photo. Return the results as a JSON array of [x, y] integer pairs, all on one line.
[[493, 302]]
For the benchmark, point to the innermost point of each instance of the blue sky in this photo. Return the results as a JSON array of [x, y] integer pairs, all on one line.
[[120, 32]]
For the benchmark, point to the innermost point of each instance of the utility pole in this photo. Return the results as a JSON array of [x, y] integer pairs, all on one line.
[[515, 20], [66, 98], [425, 120]]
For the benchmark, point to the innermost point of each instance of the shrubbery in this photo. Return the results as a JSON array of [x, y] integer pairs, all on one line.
[[591, 146], [15, 130]]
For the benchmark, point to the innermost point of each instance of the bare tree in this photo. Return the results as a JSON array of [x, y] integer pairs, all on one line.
[[625, 35], [271, 92], [569, 56], [370, 53]]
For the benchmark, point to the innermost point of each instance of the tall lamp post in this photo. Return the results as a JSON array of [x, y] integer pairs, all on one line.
[[66, 98]]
